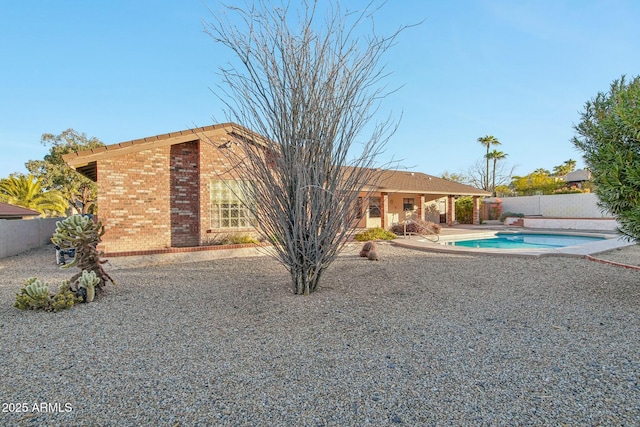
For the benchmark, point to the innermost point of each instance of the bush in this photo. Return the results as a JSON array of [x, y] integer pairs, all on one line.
[[569, 190], [377, 233], [233, 239], [609, 137], [464, 210], [510, 214], [417, 227]]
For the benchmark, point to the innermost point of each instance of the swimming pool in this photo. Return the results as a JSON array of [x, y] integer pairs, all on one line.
[[524, 241]]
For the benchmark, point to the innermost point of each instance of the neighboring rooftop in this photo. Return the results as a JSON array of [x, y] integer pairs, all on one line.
[[8, 211], [578, 176]]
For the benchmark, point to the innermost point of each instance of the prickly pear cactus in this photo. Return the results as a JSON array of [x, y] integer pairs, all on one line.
[[82, 234]]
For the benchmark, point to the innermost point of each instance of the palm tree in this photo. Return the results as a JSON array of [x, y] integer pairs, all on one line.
[[26, 191], [541, 171], [488, 141], [567, 167], [495, 155]]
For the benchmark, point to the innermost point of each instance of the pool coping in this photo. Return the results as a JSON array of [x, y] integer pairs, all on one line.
[[584, 250]]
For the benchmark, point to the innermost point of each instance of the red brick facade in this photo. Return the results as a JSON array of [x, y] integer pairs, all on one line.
[[133, 200], [159, 198], [184, 184]]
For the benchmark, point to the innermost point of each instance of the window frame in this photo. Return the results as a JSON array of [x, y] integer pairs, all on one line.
[[227, 210]]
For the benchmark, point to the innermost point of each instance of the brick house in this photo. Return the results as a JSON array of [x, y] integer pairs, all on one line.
[[168, 191]]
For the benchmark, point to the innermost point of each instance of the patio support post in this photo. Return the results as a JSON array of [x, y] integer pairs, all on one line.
[[451, 210], [476, 210], [421, 203], [384, 208]]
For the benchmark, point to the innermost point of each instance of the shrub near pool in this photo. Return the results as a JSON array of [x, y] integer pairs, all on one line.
[[377, 233]]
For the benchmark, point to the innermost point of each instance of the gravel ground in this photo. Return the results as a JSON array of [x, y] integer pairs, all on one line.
[[629, 255], [417, 339]]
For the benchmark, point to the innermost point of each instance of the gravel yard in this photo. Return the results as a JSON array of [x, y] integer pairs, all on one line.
[[416, 339]]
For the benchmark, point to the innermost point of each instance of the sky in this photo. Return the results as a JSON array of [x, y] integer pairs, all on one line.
[[519, 70]]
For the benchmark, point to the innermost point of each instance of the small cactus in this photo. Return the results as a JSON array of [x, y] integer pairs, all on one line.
[[35, 295], [35, 288], [88, 281]]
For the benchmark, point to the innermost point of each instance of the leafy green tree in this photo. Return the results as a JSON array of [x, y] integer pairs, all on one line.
[[504, 191], [496, 156], [539, 181], [27, 191], [609, 137], [487, 141], [79, 191]]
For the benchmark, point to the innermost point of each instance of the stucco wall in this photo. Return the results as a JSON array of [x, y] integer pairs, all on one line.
[[583, 205], [600, 224], [18, 235]]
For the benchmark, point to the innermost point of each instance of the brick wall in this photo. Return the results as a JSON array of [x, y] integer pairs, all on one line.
[[133, 200], [184, 194], [159, 198], [213, 165]]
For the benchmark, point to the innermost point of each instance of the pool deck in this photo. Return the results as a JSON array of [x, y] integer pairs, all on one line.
[[613, 241]]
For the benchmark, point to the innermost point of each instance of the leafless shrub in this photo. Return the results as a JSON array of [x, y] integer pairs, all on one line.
[[309, 85]]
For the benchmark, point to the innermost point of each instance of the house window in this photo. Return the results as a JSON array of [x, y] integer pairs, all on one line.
[[227, 209], [408, 204], [374, 207]]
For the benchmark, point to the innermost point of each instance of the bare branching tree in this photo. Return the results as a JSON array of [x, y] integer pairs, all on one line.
[[476, 175], [309, 81]]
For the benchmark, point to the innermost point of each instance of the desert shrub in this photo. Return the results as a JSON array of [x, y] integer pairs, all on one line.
[[506, 215], [233, 239], [377, 233], [35, 295], [417, 227]]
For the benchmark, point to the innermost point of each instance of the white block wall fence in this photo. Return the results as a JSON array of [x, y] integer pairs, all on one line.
[[561, 211], [20, 235], [582, 205]]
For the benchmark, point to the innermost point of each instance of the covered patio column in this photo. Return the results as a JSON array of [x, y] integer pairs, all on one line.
[[476, 210], [384, 208], [421, 203], [451, 210]]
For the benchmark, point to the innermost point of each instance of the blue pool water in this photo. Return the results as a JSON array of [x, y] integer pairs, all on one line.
[[525, 241]]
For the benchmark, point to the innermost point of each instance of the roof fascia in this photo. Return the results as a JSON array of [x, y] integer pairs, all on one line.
[[84, 157]]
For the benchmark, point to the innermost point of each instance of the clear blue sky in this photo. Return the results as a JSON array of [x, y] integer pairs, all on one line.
[[125, 69]]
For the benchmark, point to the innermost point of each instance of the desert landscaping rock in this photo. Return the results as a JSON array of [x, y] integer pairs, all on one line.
[[416, 339]]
